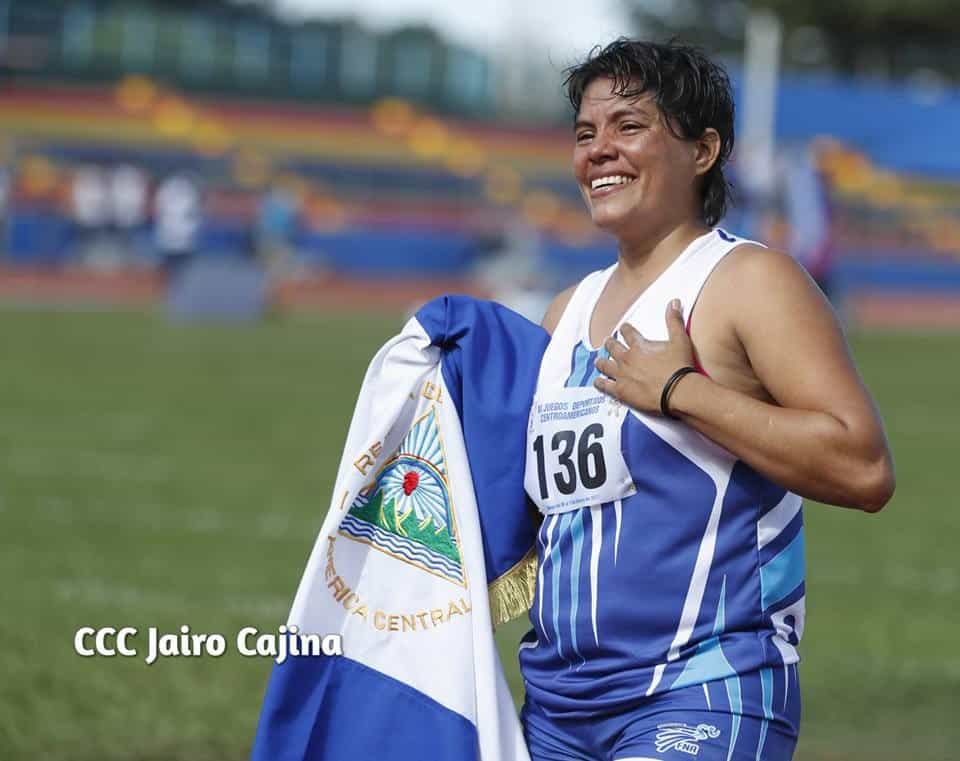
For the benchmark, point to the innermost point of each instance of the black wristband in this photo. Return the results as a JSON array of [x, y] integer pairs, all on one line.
[[668, 389]]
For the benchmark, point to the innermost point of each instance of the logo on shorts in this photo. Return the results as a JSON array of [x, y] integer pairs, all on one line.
[[682, 737]]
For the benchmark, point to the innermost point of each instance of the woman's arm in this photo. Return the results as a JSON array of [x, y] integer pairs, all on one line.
[[823, 439]]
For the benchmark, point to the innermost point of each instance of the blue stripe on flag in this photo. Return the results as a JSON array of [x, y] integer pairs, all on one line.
[[315, 704]]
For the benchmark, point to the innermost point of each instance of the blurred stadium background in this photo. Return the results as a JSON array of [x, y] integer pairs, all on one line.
[[302, 176]]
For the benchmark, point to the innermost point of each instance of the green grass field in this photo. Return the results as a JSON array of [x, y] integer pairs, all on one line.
[[156, 474]]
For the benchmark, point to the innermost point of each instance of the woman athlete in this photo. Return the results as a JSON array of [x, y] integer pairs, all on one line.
[[691, 394]]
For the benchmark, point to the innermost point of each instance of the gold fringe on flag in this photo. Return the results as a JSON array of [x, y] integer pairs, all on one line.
[[511, 594]]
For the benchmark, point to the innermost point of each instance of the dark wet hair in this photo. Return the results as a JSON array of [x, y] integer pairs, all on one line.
[[691, 91]]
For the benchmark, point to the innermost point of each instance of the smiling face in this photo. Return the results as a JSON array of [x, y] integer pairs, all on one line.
[[634, 174]]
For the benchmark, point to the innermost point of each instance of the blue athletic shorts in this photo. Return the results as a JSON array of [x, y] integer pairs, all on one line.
[[674, 726]]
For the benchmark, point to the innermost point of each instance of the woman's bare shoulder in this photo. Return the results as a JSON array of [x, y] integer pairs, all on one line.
[[555, 310]]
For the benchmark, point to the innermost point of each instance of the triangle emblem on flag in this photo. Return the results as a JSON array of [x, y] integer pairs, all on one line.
[[407, 512]]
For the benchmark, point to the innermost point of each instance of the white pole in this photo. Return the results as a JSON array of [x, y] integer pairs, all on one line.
[[758, 125]]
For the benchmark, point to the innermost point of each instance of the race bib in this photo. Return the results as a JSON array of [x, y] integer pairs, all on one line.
[[574, 457]]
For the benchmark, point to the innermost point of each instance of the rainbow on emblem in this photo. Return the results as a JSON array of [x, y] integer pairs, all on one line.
[[407, 513]]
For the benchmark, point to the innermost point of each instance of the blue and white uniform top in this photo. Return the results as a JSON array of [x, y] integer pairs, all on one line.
[[664, 561]]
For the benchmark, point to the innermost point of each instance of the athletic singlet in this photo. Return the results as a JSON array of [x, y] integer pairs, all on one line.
[[688, 572]]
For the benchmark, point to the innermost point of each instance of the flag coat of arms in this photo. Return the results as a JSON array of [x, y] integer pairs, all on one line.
[[427, 544]]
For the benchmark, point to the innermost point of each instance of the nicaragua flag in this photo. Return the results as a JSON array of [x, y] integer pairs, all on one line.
[[428, 543]]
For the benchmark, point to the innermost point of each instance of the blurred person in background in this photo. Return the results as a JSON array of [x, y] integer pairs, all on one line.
[[176, 221], [512, 269], [4, 195], [807, 206], [90, 209], [277, 215], [128, 205], [670, 590]]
